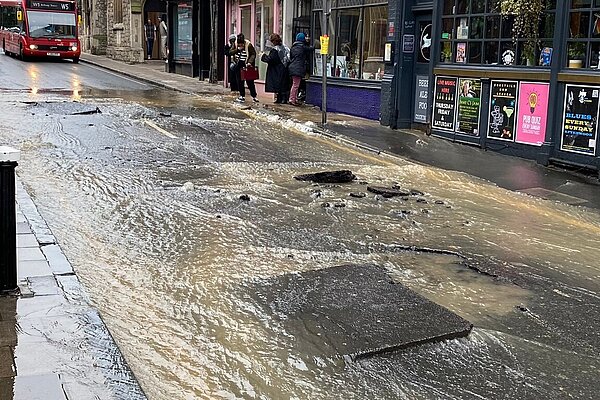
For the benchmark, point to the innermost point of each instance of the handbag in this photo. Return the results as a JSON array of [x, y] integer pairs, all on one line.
[[249, 73]]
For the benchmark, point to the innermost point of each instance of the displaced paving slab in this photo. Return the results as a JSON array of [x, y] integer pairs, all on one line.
[[358, 310]]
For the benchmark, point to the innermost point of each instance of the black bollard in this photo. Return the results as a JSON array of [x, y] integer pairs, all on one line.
[[8, 220]]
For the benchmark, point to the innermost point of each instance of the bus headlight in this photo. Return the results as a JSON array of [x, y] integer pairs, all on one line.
[[33, 47], [73, 48]]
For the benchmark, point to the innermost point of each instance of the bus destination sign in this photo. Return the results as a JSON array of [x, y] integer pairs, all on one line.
[[51, 5]]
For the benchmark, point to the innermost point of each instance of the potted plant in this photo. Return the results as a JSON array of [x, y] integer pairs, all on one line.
[[447, 52], [527, 15], [576, 52]]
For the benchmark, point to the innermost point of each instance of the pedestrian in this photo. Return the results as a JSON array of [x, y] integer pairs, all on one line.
[[277, 77], [231, 65], [150, 35], [244, 56], [297, 68], [164, 34]]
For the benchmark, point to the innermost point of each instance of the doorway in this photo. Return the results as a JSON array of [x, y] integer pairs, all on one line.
[[422, 60]]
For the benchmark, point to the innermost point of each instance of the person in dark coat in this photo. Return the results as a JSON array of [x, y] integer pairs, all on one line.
[[231, 66], [297, 68], [277, 77]]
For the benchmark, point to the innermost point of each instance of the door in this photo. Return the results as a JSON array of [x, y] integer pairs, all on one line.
[[421, 113]]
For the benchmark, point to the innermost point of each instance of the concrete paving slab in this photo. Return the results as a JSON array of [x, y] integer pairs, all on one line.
[[44, 285], [21, 217], [27, 269], [57, 260], [72, 289], [357, 310], [27, 240], [41, 306], [23, 227], [38, 387], [36, 222], [30, 254]]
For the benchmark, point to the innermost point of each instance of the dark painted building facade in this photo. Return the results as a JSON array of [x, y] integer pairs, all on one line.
[[376, 49], [458, 71], [190, 30], [536, 99]]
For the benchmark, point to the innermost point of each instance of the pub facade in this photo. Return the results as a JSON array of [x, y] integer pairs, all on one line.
[[534, 93]]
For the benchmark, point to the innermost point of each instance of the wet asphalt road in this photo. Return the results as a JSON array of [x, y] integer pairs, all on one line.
[[144, 197], [59, 76]]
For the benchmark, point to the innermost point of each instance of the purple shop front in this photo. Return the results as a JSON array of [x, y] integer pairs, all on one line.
[[358, 101]]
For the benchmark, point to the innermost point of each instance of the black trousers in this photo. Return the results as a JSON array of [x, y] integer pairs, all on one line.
[[240, 82]]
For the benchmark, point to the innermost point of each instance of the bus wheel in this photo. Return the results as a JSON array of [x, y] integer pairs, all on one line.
[[76, 60]]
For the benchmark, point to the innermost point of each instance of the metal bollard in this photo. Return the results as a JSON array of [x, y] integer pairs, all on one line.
[[8, 220]]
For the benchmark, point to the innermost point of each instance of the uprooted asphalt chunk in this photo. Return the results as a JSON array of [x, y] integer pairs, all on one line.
[[342, 176], [88, 112], [387, 192]]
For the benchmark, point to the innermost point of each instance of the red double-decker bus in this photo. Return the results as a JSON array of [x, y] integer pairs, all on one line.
[[39, 28]]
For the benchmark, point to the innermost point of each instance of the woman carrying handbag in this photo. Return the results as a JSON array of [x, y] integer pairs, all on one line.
[[277, 77], [244, 55]]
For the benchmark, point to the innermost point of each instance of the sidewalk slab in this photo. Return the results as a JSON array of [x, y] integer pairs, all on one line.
[[57, 260], [27, 269], [39, 387], [30, 254], [53, 344]]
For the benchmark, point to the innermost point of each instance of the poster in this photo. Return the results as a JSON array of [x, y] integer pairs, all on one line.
[[444, 104], [503, 107], [421, 99], [461, 53], [580, 119], [532, 113], [469, 103]]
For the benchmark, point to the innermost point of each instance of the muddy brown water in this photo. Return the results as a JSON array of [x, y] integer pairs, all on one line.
[[165, 263]]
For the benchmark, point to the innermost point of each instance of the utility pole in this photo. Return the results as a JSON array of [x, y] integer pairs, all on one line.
[[324, 52]]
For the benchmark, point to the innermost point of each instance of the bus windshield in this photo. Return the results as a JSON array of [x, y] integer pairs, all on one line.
[[51, 24]]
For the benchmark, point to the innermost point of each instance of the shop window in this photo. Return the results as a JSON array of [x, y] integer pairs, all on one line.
[[358, 41], [373, 42], [475, 32], [183, 32], [264, 22], [584, 34]]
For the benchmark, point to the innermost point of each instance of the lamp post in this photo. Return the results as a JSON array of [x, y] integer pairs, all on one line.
[[8, 222]]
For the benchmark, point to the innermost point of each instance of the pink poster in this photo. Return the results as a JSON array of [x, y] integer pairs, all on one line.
[[533, 113]]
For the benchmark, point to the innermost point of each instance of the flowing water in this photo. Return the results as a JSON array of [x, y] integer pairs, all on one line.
[[147, 209]]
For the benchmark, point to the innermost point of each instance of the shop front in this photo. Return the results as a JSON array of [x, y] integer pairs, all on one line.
[[257, 20], [189, 37], [532, 92], [355, 68]]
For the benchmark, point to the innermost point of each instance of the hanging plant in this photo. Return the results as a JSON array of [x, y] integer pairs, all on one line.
[[527, 15]]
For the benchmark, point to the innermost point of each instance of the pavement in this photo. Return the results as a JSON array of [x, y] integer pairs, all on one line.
[[575, 187], [53, 344]]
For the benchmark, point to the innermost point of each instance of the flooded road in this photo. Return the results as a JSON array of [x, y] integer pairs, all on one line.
[[142, 189]]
